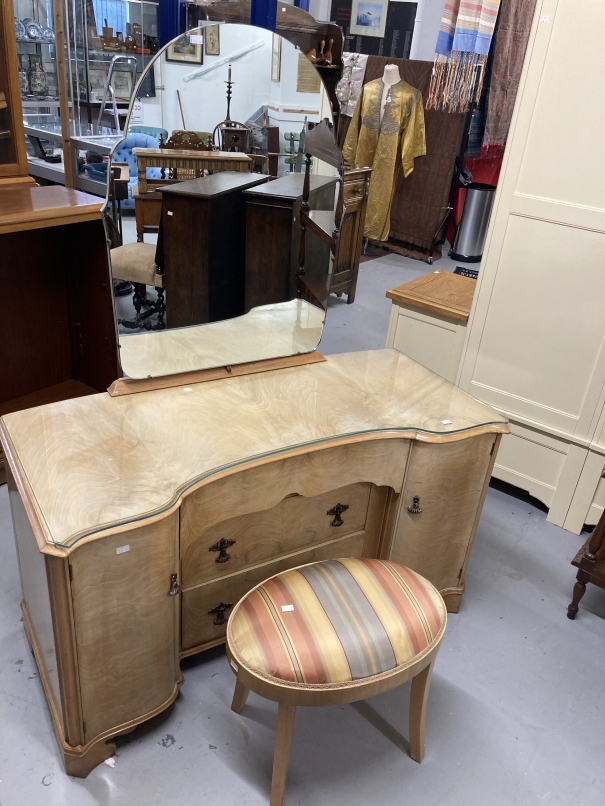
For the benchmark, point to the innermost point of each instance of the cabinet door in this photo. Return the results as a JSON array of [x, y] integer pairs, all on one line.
[[449, 480], [126, 624]]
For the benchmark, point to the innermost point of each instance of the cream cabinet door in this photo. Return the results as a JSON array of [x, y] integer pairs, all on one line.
[[449, 481], [126, 624]]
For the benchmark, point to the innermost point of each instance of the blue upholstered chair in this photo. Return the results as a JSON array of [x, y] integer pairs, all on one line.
[[123, 153], [154, 131]]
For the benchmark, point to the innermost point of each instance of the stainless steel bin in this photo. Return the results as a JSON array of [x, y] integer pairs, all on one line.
[[470, 237]]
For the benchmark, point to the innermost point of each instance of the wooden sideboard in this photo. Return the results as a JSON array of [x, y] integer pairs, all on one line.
[[273, 236], [141, 520]]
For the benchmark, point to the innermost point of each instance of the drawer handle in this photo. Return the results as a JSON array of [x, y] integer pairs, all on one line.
[[219, 611], [174, 585], [337, 512], [222, 547], [415, 508]]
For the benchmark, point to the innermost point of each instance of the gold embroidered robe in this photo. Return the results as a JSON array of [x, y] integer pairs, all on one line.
[[371, 143]]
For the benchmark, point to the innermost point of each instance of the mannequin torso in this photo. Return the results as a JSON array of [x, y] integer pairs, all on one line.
[[390, 77]]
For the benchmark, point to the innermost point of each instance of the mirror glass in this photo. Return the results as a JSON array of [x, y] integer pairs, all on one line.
[[215, 168]]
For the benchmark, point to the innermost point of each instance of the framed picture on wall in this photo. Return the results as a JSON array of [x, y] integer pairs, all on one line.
[[276, 58], [184, 50], [122, 85], [369, 17], [212, 34]]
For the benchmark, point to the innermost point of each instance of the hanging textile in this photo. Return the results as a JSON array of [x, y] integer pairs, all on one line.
[[349, 86], [467, 27], [383, 144], [510, 43]]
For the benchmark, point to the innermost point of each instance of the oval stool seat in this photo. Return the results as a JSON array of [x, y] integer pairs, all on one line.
[[336, 622], [335, 632]]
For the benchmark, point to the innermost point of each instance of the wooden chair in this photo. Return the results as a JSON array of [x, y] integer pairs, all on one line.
[[331, 633], [136, 263], [590, 562], [341, 229], [235, 136]]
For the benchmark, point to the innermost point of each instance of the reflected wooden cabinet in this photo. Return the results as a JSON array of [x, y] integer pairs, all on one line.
[[135, 553]]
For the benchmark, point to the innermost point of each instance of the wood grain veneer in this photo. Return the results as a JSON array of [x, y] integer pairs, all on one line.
[[26, 208], [439, 292], [129, 467], [117, 502]]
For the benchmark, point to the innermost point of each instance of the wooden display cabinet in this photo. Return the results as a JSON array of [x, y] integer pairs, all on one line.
[[13, 156], [57, 329]]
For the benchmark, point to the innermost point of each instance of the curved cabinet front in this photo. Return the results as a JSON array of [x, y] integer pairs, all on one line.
[[110, 612]]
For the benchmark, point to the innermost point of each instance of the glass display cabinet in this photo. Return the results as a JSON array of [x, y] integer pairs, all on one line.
[[117, 36], [36, 55]]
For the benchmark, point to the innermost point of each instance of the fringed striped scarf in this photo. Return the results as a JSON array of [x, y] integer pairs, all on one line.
[[467, 27]]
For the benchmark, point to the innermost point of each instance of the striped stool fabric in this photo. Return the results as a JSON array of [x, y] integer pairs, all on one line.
[[336, 621]]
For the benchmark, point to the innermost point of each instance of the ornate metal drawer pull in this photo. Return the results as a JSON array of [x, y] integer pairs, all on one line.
[[219, 611], [337, 512], [222, 546], [174, 585], [415, 508]]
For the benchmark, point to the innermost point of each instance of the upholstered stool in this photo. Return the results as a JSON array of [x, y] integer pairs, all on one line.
[[135, 262], [335, 632]]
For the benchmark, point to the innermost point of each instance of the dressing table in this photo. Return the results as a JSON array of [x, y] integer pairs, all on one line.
[[227, 452], [141, 519]]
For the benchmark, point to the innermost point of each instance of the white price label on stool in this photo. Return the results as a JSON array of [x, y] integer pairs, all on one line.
[[122, 549], [446, 422], [287, 608]]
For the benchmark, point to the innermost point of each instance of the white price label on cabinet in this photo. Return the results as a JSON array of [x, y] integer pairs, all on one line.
[[122, 549]]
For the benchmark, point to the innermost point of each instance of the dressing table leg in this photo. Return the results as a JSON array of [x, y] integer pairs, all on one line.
[[240, 696]]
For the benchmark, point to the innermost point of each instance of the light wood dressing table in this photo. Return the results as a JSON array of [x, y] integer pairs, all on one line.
[[140, 520]]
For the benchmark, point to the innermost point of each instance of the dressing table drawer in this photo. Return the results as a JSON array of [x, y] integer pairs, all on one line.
[[199, 625], [294, 523]]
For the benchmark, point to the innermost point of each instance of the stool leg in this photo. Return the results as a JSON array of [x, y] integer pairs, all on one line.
[[283, 739], [240, 695], [418, 700]]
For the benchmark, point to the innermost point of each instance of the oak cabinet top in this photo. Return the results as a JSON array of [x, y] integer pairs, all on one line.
[[92, 465]]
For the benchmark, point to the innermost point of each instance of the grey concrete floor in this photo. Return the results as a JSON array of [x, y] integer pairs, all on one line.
[[516, 709]]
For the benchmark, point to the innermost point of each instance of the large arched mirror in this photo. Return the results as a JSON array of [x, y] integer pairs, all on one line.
[[216, 162]]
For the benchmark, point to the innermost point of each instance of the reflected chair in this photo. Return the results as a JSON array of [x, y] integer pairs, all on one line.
[[136, 263], [340, 229], [230, 135], [331, 633]]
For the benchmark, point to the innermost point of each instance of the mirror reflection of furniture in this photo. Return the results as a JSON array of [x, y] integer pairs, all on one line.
[[341, 229], [202, 247], [185, 160], [261, 110], [229, 135], [136, 263], [273, 236], [57, 330]]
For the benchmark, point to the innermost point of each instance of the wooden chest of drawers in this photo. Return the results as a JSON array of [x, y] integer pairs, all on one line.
[[140, 521]]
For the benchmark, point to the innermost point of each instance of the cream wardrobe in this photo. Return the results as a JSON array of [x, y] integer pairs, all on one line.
[[535, 342]]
